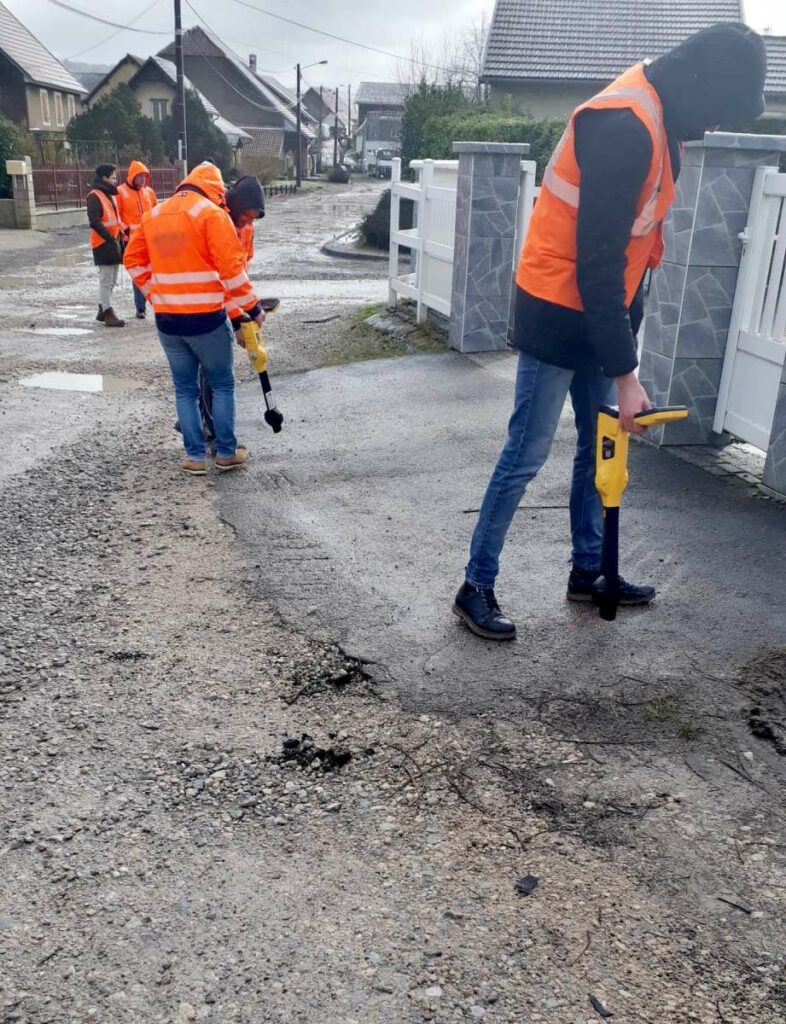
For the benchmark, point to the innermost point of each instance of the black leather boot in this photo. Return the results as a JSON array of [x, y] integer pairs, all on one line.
[[587, 585], [478, 608]]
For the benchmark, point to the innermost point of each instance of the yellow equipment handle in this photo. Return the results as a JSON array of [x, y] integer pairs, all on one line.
[[252, 342], [611, 466]]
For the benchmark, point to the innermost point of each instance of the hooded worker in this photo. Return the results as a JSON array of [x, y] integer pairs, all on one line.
[[134, 198], [246, 203], [105, 240], [596, 229], [187, 260]]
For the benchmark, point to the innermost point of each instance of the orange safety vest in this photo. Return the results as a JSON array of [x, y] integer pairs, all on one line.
[[109, 218], [246, 235], [132, 203], [186, 257], [547, 268]]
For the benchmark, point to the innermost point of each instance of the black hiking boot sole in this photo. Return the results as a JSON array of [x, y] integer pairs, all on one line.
[[624, 602], [479, 630]]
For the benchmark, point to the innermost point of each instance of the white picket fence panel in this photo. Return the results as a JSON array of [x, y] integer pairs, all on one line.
[[429, 283], [756, 346]]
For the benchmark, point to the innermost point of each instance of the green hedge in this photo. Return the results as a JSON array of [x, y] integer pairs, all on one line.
[[439, 133], [375, 227], [9, 148]]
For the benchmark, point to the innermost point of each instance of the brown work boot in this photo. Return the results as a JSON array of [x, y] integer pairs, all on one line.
[[101, 314], [234, 462], [194, 467], [111, 319]]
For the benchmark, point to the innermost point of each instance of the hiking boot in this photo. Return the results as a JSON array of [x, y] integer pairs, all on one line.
[[233, 462], [194, 467], [140, 314], [101, 314], [478, 608], [111, 319], [588, 585]]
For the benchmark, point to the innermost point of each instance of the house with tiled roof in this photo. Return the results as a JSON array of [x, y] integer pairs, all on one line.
[[551, 55], [380, 109], [36, 91], [262, 108]]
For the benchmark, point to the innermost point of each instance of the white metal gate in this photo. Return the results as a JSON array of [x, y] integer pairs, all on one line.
[[756, 346]]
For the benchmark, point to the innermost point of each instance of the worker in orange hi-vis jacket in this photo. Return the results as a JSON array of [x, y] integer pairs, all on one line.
[[245, 201], [134, 198], [187, 260]]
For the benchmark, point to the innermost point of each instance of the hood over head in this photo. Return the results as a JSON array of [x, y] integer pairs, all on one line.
[[134, 168], [246, 194], [207, 178], [714, 78]]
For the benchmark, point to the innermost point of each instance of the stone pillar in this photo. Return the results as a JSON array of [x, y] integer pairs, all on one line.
[[692, 293], [484, 255], [21, 172], [775, 467]]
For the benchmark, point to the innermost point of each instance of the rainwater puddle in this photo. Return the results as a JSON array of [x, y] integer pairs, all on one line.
[[66, 259], [15, 282], [59, 332], [66, 316], [363, 289], [57, 380]]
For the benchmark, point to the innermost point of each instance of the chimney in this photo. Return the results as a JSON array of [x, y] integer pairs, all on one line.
[[252, 62]]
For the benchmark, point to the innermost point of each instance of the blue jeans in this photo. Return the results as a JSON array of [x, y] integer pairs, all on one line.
[[140, 302], [213, 353], [541, 391]]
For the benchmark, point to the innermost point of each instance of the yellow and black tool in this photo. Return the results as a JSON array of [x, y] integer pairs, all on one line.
[[257, 356], [611, 479]]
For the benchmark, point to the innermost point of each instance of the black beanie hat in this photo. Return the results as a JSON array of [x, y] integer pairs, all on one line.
[[105, 170], [715, 77], [246, 194]]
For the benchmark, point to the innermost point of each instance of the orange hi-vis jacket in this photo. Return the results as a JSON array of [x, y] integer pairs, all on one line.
[[547, 268], [133, 203], [246, 236], [110, 219], [186, 257]]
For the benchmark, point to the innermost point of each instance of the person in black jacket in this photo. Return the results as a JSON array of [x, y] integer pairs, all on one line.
[[105, 240], [715, 77]]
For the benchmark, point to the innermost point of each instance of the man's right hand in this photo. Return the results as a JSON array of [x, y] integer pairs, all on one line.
[[632, 399], [261, 318]]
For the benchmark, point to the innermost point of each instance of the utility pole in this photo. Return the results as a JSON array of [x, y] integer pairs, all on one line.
[[335, 134], [299, 143], [180, 94], [349, 115], [319, 144]]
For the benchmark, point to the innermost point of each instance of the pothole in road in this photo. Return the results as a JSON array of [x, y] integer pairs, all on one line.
[[57, 380]]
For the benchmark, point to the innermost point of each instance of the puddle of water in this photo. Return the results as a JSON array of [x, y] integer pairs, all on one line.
[[66, 316], [66, 259], [363, 289], [59, 332], [15, 282], [56, 380]]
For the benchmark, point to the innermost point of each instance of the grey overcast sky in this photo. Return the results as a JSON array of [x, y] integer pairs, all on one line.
[[390, 25]]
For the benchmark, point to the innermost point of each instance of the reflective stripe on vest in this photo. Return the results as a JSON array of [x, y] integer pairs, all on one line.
[[569, 193]]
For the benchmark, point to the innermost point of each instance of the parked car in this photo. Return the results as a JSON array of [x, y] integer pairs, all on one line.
[[380, 164]]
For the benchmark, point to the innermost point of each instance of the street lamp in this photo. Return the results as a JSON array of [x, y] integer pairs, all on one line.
[[299, 147]]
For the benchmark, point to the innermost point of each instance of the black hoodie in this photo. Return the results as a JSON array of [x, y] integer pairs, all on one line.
[[716, 77], [245, 194]]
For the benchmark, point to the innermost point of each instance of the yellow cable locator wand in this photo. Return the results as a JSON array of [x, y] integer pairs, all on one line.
[[611, 479], [257, 356]]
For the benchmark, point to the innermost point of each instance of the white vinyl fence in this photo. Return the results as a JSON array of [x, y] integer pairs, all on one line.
[[756, 345], [429, 283]]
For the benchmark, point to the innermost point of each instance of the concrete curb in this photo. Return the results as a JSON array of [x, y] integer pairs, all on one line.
[[332, 248]]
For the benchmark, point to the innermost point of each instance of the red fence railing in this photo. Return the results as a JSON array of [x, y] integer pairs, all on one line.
[[67, 187]]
